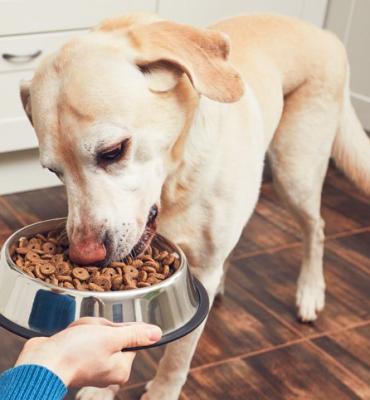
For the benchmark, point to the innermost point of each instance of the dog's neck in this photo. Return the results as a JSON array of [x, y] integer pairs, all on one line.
[[193, 158], [208, 144]]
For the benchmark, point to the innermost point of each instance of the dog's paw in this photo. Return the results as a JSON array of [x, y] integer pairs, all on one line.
[[310, 300], [161, 392], [147, 385], [94, 393]]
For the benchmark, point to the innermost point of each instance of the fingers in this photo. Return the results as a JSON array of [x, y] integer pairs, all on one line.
[[121, 364], [124, 335], [100, 321], [136, 334], [34, 342], [93, 321]]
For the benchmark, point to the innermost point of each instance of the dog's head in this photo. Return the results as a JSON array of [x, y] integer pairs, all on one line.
[[109, 110]]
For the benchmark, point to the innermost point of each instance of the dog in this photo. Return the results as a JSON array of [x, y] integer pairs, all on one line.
[[151, 123]]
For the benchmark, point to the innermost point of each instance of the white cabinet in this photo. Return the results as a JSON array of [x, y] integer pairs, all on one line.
[[16, 133], [24, 52], [21, 171], [349, 19], [204, 12]]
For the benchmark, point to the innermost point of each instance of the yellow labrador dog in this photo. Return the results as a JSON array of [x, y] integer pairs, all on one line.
[[150, 123]]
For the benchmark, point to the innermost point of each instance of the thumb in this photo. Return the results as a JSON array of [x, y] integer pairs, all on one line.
[[134, 335]]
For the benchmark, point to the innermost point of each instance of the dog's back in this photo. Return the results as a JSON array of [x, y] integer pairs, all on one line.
[[280, 56]]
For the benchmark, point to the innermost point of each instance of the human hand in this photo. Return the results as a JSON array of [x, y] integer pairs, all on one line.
[[88, 352]]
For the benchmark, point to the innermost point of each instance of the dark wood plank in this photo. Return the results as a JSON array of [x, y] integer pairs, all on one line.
[[339, 180], [17, 210], [238, 325], [302, 372], [227, 381], [351, 349], [271, 278], [10, 347], [262, 233], [354, 248], [298, 371], [246, 328], [295, 372], [4, 235], [351, 205], [344, 208], [4, 228]]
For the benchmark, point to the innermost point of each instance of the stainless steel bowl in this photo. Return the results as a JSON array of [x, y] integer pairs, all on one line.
[[30, 307]]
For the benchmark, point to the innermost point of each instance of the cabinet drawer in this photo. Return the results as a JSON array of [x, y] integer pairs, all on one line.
[[25, 51], [16, 132], [21, 170], [26, 16]]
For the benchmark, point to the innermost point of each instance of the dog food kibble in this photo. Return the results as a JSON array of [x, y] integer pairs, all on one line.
[[45, 257]]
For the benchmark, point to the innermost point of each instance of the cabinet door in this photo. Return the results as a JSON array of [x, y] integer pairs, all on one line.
[[25, 16], [16, 132], [204, 12], [349, 19], [21, 171]]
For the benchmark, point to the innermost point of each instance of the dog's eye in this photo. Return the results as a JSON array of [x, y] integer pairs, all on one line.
[[114, 153]]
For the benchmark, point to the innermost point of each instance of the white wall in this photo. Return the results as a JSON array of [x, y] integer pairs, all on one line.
[[349, 19], [204, 12]]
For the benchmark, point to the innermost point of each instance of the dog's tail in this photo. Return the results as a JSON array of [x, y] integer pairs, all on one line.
[[351, 149]]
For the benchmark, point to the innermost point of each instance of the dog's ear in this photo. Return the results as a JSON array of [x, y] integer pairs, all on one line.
[[165, 50], [24, 90], [162, 76]]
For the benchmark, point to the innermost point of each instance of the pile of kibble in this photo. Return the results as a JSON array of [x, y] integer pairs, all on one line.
[[45, 257]]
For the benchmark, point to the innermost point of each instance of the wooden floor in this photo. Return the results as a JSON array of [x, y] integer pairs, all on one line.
[[253, 346]]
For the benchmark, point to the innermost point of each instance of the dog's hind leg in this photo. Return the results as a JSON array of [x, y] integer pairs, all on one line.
[[299, 156]]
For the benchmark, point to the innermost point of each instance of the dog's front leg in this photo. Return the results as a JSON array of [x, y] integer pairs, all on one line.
[[95, 393], [174, 366]]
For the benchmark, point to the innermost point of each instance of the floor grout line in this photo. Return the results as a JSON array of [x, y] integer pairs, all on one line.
[[274, 249], [269, 250], [281, 346], [335, 362], [364, 269], [276, 316], [245, 356], [351, 232]]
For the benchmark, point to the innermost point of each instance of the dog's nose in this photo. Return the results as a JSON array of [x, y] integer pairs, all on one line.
[[87, 252]]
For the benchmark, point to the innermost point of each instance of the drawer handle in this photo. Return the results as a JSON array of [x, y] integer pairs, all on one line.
[[21, 58]]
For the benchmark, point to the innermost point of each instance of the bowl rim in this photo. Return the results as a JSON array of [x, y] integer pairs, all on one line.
[[89, 293]]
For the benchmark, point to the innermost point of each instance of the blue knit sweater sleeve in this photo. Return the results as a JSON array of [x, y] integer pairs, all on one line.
[[31, 382]]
